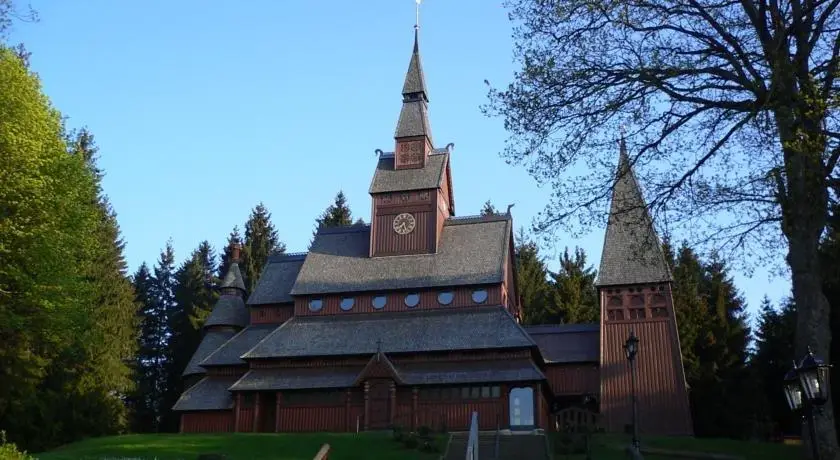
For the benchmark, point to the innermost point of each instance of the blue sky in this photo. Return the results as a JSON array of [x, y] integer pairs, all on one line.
[[202, 109]]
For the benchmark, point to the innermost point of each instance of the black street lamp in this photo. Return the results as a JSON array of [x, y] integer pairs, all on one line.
[[807, 387], [631, 347]]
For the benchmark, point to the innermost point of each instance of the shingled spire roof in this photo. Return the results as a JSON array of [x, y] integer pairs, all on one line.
[[632, 251], [414, 116], [233, 277]]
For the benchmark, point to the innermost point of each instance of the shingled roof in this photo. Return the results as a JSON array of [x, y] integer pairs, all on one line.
[[567, 343], [297, 379], [277, 279], [228, 353], [211, 393], [399, 332], [414, 116], [233, 278], [230, 310], [386, 179], [472, 251], [632, 251], [211, 342]]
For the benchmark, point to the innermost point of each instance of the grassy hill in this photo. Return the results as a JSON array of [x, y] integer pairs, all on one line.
[[380, 446], [238, 446]]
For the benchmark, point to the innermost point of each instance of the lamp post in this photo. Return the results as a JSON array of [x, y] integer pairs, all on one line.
[[631, 347], [807, 388]]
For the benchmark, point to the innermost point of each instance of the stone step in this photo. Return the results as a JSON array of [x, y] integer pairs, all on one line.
[[510, 447]]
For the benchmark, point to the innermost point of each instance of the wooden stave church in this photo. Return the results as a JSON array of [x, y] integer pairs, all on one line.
[[414, 319]]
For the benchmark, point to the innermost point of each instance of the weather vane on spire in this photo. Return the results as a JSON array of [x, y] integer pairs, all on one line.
[[417, 21]]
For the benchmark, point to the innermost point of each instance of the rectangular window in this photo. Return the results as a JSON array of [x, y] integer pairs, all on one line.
[[465, 393], [435, 393], [485, 392], [496, 391], [475, 392]]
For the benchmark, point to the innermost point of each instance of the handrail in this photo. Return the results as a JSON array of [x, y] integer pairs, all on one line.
[[324, 453], [472, 441]]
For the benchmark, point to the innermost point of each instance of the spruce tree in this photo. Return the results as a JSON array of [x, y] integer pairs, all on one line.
[[488, 209], [261, 240], [573, 295], [773, 358], [141, 403], [195, 298], [531, 279], [337, 214]]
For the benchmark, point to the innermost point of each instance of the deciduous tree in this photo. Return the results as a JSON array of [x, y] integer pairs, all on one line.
[[731, 118]]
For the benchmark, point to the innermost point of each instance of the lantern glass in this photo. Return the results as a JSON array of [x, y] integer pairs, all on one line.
[[813, 378], [793, 394]]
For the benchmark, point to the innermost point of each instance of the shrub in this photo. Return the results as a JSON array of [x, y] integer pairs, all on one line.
[[424, 431], [9, 451], [410, 441], [398, 433], [429, 445]]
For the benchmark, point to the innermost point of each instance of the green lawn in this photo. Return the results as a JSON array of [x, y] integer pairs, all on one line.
[[237, 446], [611, 447]]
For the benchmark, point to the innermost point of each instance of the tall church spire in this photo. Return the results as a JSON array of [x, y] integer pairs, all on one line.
[[414, 134], [632, 251]]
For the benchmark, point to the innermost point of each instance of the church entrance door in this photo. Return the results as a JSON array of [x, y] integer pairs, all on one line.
[[379, 400]]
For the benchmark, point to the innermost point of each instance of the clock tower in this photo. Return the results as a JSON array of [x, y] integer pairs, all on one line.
[[412, 187]]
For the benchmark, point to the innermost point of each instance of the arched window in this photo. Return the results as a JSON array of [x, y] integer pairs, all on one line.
[[347, 303], [316, 304]]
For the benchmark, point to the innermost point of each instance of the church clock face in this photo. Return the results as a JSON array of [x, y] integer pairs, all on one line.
[[404, 223]]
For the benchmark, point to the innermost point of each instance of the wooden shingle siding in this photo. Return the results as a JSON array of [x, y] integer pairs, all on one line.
[[207, 422]]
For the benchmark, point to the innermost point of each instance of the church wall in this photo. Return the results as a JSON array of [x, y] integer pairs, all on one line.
[[271, 314], [386, 206], [396, 301], [207, 421], [660, 386], [573, 379]]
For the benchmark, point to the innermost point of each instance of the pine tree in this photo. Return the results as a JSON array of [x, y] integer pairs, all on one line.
[[141, 403], [573, 295], [261, 240], [773, 357], [195, 298], [689, 306], [488, 209], [531, 278], [337, 214], [234, 237]]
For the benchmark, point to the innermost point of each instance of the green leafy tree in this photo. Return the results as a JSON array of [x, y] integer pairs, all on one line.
[[573, 293], [261, 240], [532, 280], [736, 101], [48, 230]]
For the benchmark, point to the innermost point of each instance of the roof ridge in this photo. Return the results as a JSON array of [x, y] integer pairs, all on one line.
[[352, 228], [287, 256], [476, 218]]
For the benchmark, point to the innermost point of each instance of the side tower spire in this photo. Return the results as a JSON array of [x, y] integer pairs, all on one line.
[[634, 286], [414, 134]]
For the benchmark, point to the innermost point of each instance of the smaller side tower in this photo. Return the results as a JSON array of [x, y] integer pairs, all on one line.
[[229, 316], [634, 286]]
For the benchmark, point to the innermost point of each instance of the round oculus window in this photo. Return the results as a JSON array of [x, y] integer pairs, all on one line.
[[347, 303], [316, 304], [379, 302], [446, 298], [479, 296], [411, 300]]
